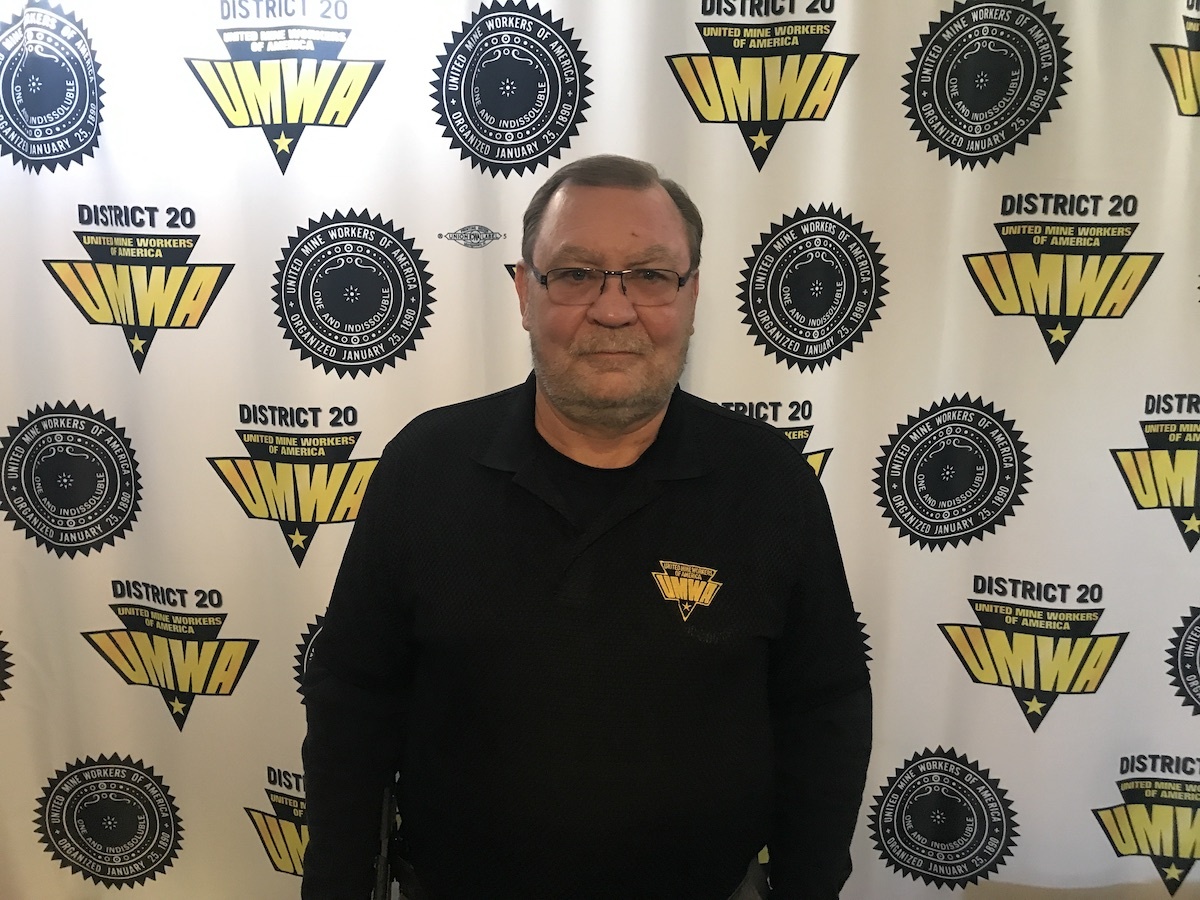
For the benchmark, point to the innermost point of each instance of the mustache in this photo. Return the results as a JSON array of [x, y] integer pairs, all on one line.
[[610, 344]]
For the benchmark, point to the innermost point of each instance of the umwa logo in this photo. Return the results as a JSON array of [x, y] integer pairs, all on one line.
[[762, 76], [1040, 653], [284, 79], [1062, 274], [281, 480], [1181, 65], [689, 586], [178, 653], [140, 282], [282, 831], [1159, 815], [1163, 474]]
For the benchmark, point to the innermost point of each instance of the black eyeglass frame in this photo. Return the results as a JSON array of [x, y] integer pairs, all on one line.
[[543, 278]]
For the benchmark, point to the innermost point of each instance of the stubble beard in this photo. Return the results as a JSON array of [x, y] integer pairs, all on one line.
[[570, 395]]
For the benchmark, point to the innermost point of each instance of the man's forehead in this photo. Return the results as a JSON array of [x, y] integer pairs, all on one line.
[[578, 215], [588, 255]]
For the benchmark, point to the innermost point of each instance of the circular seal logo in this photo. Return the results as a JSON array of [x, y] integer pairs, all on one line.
[[511, 88], [812, 287], [49, 89], [305, 650], [1183, 660], [69, 478], [5, 668], [111, 820], [986, 77], [952, 473], [942, 819], [352, 293]]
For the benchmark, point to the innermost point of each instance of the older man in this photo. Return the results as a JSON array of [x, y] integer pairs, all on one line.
[[600, 628]]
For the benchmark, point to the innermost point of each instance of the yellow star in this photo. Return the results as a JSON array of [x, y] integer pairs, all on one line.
[[1034, 706], [760, 140], [283, 143], [1171, 873], [138, 345], [1058, 334], [1192, 524], [178, 706], [297, 538]]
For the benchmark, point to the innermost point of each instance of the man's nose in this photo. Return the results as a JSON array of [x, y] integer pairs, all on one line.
[[612, 308]]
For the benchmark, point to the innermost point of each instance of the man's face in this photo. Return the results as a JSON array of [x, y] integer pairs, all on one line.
[[611, 364]]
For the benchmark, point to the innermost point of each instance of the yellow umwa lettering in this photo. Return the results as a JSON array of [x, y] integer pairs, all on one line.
[[1145, 829], [190, 667], [1061, 665], [284, 842], [1182, 68], [755, 89], [1059, 284], [689, 590], [251, 93], [1159, 478], [297, 492], [149, 296]]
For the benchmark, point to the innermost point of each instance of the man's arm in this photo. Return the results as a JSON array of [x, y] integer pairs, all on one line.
[[821, 710], [355, 696]]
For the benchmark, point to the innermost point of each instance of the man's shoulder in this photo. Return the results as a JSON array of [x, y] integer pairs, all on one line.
[[457, 424], [735, 432]]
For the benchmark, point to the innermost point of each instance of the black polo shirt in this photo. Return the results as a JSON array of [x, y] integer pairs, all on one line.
[[626, 708]]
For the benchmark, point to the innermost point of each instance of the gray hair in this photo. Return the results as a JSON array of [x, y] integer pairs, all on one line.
[[608, 170]]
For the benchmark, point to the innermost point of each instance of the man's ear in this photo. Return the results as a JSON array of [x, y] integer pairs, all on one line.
[[521, 283], [694, 286]]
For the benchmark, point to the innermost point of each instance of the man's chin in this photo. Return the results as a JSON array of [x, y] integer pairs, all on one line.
[[608, 391], [608, 402], [613, 362]]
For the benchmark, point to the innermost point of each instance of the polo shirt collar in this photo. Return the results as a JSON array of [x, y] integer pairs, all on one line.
[[678, 451]]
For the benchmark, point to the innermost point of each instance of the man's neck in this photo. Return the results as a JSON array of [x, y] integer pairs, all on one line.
[[601, 448]]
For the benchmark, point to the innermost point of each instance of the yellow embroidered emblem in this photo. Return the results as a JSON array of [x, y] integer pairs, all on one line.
[[689, 586]]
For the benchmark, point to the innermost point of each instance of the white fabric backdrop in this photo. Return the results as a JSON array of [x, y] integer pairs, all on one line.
[[853, 291]]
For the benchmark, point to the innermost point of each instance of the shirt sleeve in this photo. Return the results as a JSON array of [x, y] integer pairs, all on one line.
[[355, 694], [821, 714]]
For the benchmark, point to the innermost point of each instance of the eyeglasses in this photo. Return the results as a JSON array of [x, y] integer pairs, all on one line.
[[582, 286]]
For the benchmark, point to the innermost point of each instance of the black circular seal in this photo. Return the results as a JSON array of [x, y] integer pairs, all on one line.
[[986, 76], [942, 819], [111, 820], [812, 286], [305, 649], [50, 107], [352, 293], [952, 473], [1183, 660], [5, 668], [511, 88], [69, 478]]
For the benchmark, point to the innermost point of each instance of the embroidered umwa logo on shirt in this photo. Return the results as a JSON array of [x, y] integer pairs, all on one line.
[[689, 586]]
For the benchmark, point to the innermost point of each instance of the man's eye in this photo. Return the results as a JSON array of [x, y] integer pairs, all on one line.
[[650, 275], [577, 275]]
